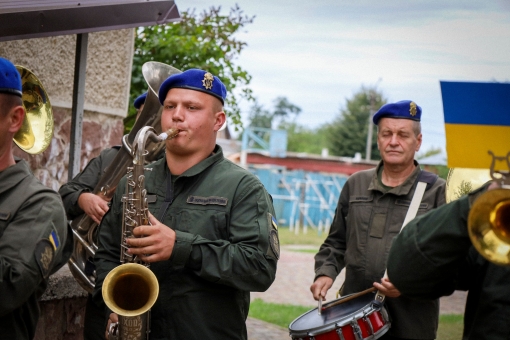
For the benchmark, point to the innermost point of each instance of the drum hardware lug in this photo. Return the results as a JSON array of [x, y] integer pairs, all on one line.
[[385, 316], [369, 323], [356, 329], [340, 333]]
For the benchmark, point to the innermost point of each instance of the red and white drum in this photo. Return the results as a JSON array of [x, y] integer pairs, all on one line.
[[356, 319]]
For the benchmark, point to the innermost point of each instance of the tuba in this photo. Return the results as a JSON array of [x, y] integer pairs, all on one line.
[[489, 216], [84, 228], [131, 289], [36, 131]]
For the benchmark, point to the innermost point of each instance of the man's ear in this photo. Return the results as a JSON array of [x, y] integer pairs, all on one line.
[[220, 120], [15, 118]]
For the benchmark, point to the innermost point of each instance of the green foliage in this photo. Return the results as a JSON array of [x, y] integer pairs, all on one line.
[[428, 153], [347, 134], [283, 111], [302, 139], [204, 41], [312, 237], [464, 188], [276, 313]]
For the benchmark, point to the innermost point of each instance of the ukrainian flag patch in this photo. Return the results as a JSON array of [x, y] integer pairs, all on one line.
[[273, 222], [54, 239]]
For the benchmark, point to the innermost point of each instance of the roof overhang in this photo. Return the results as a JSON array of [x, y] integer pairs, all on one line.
[[43, 18]]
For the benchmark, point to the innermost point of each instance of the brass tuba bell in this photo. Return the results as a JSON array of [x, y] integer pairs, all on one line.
[[36, 132], [489, 217]]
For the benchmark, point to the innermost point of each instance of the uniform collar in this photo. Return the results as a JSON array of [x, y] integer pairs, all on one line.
[[401, 190], [14, 174]]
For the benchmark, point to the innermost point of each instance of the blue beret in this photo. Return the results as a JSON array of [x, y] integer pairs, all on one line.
[[405, 109], [194, 79], [10, 80], [140, 100]]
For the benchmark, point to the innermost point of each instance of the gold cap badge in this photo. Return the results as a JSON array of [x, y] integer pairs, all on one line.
[[207, 81], [412, 109]]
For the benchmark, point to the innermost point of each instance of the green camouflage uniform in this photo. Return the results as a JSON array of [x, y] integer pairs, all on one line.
[[34, 243], [368, 217], [226, 246]]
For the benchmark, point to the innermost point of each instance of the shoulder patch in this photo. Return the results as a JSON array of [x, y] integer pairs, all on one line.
[[44, 253], [53, 238], [274, 242], [213, 200]]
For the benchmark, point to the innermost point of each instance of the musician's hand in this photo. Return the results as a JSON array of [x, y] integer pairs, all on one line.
[[93, 205], [387, 288], [156, 244], [321, 286], [113, 318]]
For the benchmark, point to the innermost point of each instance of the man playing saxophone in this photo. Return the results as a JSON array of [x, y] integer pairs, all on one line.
[[212, 236]]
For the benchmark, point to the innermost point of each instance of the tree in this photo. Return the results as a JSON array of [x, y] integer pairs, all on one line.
[[283, 110], [347, 134], [204, 41], [303, 139]]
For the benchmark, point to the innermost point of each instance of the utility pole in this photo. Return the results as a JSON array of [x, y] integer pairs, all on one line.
[[368, 150]]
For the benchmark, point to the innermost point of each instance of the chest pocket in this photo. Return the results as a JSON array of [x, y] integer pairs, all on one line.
[[207, 221], [4, 217], [358, 217]]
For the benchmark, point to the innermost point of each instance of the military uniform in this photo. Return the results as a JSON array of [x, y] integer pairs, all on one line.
[[433, 256], [226, 246], [34, 243], [368, 217], [85, 181]]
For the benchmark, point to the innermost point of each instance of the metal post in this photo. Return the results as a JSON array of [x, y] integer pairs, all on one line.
[[368, 151], [80, 65]]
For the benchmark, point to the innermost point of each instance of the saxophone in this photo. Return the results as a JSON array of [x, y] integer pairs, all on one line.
[[131, 289]]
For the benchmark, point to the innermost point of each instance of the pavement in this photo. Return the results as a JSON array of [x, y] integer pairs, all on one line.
[[294, 276]]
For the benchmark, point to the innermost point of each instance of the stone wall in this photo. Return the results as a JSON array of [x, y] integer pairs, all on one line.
[[108, 77]]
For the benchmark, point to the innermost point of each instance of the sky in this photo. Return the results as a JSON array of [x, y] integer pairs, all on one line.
[[319, 53]]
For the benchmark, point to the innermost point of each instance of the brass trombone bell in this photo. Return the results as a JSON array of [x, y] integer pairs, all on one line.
[[489, 226], [36, 131], [130, 289]]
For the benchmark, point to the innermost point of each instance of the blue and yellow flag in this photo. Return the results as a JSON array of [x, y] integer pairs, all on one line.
[[477, 120]]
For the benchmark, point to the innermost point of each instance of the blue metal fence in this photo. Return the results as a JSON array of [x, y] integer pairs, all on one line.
[[302, 199]]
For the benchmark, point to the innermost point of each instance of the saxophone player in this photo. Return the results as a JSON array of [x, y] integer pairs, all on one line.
[[212, 237], [78, 199]]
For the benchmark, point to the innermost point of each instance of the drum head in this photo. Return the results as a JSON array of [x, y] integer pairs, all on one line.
[[312, 321]]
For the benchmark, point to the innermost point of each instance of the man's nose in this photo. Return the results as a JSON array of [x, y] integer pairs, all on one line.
[[178, 114]]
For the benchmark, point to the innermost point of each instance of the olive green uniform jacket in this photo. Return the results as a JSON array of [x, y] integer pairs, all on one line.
[[368, 217], [433, 256], [34, 243], [226, 246], [85, 181]]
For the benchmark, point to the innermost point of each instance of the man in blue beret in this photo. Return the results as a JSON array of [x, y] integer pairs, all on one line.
[[213, 236], [34, 239], [371, 211], [139, 103]]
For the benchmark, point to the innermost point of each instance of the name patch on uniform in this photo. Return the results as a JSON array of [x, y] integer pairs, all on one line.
[[215, 200], [4, 216]]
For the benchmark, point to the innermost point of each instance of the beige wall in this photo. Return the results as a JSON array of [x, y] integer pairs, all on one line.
[[108, 77]]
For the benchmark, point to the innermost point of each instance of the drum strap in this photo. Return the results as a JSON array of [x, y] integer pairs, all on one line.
[[411, 213]]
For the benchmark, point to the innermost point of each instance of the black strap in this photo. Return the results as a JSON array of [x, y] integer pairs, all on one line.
[[168, 198], [427, 177]]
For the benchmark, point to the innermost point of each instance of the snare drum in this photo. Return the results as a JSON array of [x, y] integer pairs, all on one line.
[[356, 319]]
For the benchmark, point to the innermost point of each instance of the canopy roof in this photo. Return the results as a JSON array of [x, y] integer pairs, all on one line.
[[23, 19]]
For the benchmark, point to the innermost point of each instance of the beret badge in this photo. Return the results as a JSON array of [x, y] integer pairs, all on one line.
[[207, 81], [412, 109]]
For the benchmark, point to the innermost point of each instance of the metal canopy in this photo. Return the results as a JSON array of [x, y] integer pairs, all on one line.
[[43, 18], [25, 19]]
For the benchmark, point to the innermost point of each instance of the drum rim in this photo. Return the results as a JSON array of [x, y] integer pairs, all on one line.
[[334, 324]]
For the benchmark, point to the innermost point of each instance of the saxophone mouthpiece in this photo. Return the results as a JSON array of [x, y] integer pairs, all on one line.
[[169, 134]]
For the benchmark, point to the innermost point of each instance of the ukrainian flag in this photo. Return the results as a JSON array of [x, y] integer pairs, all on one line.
[[477, 120]]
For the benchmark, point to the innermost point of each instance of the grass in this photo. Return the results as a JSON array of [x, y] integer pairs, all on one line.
[[450, 325], [311, 238]]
